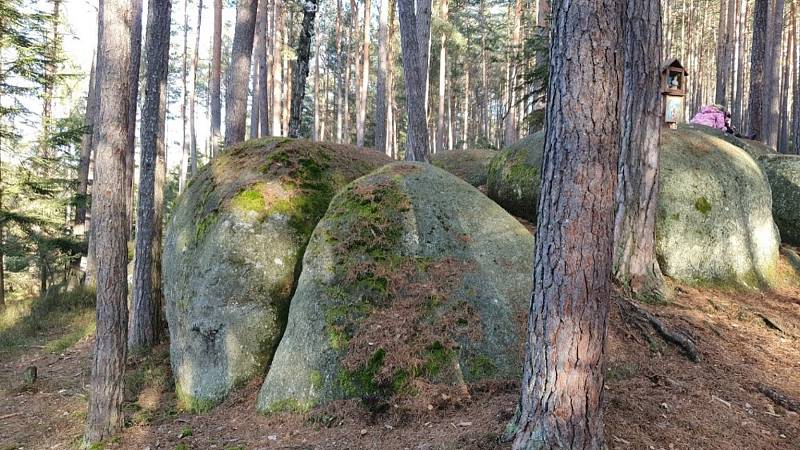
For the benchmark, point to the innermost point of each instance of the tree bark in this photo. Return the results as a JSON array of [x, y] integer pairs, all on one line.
[[423, 17], [417, 140], [440, 146], [262, 99], [757, 61], [86, 154], [193, 93], [238, 72], [302, 66], [109, 219], [796, 95], [510, 125], [381, 106], [772, 75], [216, 75], [315, 133], [465, 101], [277, 74], [635, 265], [722, 38], [361, 111], [562, 388], [785, 97], [136, 56], [145, 315], [259, 46], [184, 162], [738, 104]]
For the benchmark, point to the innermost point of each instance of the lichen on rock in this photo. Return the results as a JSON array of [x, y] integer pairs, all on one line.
[[412, 280], [783, 172], [714, 220], [231, 255]]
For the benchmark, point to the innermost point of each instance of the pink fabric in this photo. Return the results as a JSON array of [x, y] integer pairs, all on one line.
[[710, 117]]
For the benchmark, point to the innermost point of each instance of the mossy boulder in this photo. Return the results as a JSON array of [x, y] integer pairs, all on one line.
[[231, 256], [412, 281], [753, 148], [714, 219], [783, 172], [514, 180], [470, 165], [714, 223]]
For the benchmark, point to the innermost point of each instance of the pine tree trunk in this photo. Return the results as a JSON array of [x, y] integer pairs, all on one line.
[[216, 78], [277, 68], [136, 56], [772, 76], [315, 132], [184, 162], [788, 57], [440, 147], [145, 315], [417, 140], [722, 38], [339, 80], [465, 102], [109, 219], [82, 197], [391, 135], [510, 125], [562, 388], [635, 265], [2, 228], [738, 109], [302, 65], [239, 71], [193, 93], [796, 96], [258, 47], [423, 17], [757, 61], [381, 93], [262, 99], [361, 113]]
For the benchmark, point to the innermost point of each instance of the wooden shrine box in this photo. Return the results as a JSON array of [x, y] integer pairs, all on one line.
[[673, 90]]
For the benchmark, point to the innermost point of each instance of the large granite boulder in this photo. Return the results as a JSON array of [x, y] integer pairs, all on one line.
[[783, 172], [231, 256], [753, 148], [412, 279], [470, 165], [714, 220], [514, 180]]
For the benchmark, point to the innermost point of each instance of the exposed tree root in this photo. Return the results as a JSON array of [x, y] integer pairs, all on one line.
[[638, 316], [780, 398]]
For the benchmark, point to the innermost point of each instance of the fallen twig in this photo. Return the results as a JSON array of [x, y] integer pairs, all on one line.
[[779, 398], [8, 416]]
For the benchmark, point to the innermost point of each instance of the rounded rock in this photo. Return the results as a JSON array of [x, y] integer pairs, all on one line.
[[231, 254]]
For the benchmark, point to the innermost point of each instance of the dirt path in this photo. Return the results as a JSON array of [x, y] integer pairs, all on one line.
[[655, 397]]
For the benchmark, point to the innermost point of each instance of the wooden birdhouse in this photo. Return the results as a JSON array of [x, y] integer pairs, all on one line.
[[673, 76]]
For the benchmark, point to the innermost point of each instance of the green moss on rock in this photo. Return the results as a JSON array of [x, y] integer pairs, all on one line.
[[514, 181], [702, 205], [713, 222], [404, 285], [783, 172], [232, 251], [470, 165]]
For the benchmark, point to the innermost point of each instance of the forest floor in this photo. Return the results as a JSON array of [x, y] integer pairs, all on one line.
[[655, 397]]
